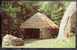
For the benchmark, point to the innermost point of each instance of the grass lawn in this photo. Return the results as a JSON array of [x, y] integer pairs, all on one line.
[[49, 43]]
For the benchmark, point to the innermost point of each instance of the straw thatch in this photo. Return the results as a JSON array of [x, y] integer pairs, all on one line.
[[39, 21]]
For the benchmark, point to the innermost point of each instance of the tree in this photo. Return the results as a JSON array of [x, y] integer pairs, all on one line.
[[65, 20]]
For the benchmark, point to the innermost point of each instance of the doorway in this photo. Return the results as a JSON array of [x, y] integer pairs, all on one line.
[[31, 33]]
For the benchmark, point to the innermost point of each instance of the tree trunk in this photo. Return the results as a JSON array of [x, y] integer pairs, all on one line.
[[65, 21]]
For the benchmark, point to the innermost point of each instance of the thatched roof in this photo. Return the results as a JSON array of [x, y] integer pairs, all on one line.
[[38, 21]]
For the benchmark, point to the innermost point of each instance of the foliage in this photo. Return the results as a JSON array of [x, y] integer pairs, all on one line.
[[54, 10]]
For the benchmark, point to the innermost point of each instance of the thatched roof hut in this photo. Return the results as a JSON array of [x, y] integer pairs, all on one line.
[[40, 24]]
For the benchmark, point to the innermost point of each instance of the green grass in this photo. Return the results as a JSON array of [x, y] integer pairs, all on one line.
[[69, 43]]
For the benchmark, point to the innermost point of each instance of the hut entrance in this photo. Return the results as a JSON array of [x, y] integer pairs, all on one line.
[[31, 33]]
